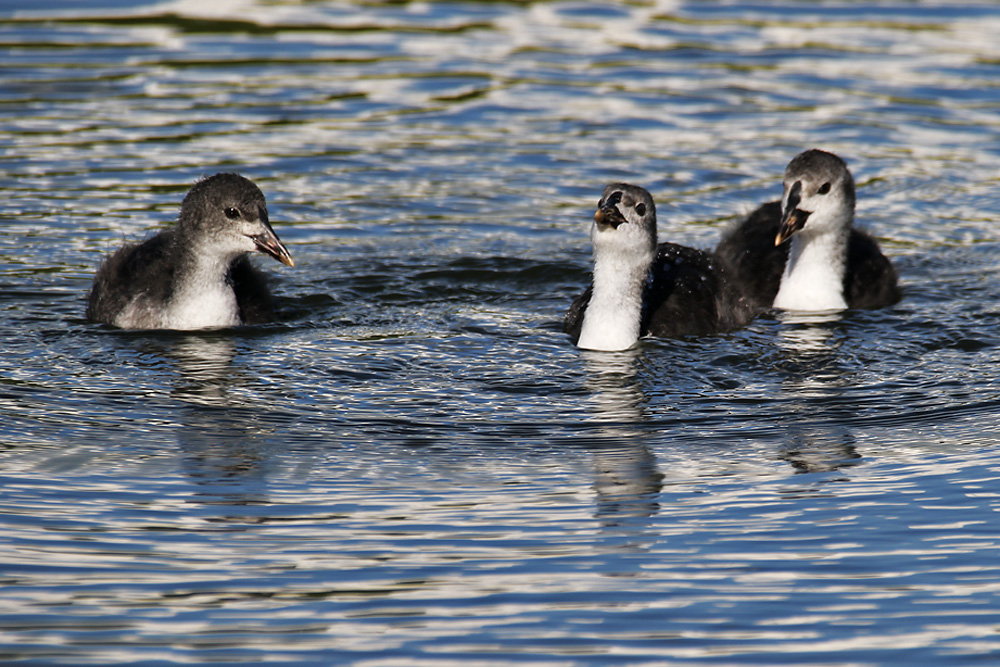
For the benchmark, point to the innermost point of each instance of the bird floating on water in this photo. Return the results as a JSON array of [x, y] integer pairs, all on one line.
[[803, 253], [641, 288], [197, 274]]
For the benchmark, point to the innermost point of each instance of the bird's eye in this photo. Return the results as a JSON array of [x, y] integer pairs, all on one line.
[[232, 213], [823, 189], [640, 208]]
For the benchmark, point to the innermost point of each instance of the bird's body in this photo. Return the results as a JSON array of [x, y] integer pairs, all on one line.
[[803, 253], [641, 288], [197, 274]]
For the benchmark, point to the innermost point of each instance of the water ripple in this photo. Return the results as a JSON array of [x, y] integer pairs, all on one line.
[[414, 466]]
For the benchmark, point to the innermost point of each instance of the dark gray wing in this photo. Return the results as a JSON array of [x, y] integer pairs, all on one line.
[[253, 297], [750, 257], [690, 293], [573, 321], [871, 280], [136, 270]]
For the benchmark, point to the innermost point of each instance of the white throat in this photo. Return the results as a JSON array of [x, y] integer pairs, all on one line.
[[613, 318], [204, 298], [814, 273]]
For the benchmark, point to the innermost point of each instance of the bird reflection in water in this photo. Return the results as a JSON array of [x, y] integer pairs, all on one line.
[[810, 337], [817, 437], [221, 438], [626, 478], [205, 365]]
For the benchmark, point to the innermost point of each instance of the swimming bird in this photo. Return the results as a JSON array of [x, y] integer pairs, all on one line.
[[198, 273], [803, 253], [642, 288]]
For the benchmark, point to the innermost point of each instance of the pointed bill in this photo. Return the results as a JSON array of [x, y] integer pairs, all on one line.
[[791, 222], [269, 244], [609, 216]]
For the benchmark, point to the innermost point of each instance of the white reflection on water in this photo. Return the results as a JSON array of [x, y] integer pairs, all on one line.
[[806, 334], [220, 436], [626, 477], [816, 387], [615, 396], [205, 366]]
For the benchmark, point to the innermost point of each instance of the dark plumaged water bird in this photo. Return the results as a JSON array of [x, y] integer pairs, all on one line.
[[641, 288], [197, 274], [803, 253]]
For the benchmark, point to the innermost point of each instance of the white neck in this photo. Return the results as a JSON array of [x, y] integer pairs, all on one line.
[[814, 273], [203, 297], [613, 317]]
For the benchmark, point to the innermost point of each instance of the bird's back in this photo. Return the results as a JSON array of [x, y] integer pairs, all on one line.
[[748, 252], [253, 297], [871, 280], [136, 271], [690, 293]]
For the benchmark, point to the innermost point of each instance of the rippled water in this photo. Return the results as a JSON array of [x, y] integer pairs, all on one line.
[[415, 467]]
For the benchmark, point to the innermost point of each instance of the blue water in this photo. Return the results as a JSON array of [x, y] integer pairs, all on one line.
[[415, 466]]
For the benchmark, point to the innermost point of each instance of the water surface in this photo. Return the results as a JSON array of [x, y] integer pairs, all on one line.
[[415, 466]]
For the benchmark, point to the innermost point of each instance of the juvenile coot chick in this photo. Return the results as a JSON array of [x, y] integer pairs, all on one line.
[[642, 288], [197, 274], [828, 264]]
